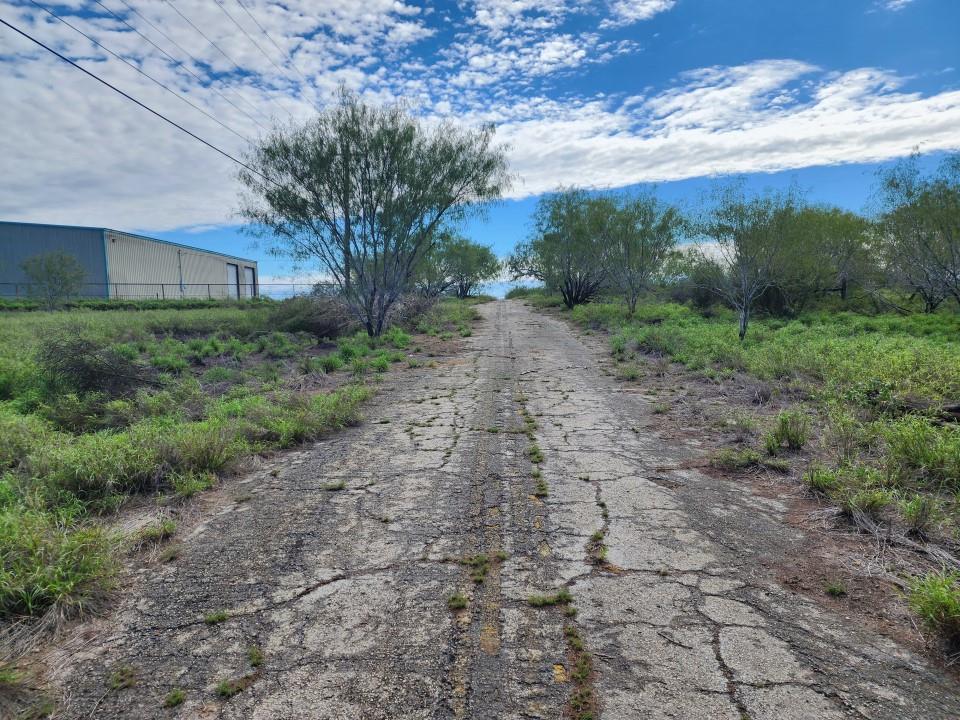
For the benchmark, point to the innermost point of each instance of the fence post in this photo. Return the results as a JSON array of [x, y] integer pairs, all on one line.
[[163, 292], [209, 296]]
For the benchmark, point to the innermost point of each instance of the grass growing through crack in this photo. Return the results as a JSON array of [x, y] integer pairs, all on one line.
[[228, 688], [535, 454], [123, 677], [174, 698], [216, 617], [335, 486], [255, 656], [560, 597], [457, 601]]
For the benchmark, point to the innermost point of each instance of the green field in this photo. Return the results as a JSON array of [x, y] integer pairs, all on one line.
[[207, 388], [875, 387]]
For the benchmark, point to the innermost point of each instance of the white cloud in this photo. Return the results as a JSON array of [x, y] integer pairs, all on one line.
[[73, 152], [627, 12], [896, 4]]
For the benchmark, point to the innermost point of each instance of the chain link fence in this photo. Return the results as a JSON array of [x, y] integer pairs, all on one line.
[[173, 291]]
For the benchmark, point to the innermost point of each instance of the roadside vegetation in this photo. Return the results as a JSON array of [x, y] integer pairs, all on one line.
[[97, 408], [819, 313]]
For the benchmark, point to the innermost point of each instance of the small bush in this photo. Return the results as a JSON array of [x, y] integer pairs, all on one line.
[[331, 362], [822, 479], [560, 597], [935, 597], [736, 459], [397, 338], [157, 532], [381, 364], [919, 451], [69, 361], [322, 317], [216, 617], [792, 429], [920, 512]]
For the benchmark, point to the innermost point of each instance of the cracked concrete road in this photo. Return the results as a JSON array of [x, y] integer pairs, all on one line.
[[346, 591]]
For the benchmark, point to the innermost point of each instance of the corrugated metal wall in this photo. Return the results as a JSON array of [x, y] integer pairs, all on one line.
[[19, 241], [142, 267]]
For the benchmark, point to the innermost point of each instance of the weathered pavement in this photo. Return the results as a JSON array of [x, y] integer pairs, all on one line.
[[346, 591]]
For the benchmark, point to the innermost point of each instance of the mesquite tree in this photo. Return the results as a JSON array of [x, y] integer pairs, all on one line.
[[920, 230], [455, 262], [568, 251], [640, 232], [747, 239], [361, 190]]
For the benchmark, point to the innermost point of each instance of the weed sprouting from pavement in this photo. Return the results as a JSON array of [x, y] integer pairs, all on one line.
[[255, 656], [835, 588], [228, 688], [174, 698], [560, 597], [216, 617], [457, 601], [335, 486], [123, 677]]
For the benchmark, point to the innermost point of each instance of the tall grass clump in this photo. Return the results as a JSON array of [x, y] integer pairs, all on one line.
[[935, 597], [45, 562]]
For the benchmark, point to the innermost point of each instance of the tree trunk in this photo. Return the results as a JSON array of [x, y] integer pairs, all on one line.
[[843, 288], [744, 320]]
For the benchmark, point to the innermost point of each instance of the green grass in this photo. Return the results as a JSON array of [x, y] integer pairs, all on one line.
[[174, 698], [560, 597], [872, 386], [68, 455], [216, 617], [935, 597], [457, 601]]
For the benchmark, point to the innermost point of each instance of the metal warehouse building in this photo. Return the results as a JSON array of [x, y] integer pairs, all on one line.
[[123, 265]]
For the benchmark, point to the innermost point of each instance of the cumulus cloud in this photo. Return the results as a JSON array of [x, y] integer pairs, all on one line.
[[76, 153], [627, 12]]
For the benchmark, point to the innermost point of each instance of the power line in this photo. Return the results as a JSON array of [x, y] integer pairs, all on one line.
[[219, 4], [134, 100], [184, 51], [181, 64], [267, 35], [141, 71], [217, 47]]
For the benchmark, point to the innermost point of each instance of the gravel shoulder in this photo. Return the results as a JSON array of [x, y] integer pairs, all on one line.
[[345, 591]]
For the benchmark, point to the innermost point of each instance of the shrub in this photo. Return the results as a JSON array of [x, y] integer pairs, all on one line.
[[792, 429], [918, 450], [920, 512], [359, 367], [70, 361], [44, 563], [935, 597], [322, 317], [397, 338], [331, 362], [381, 364]]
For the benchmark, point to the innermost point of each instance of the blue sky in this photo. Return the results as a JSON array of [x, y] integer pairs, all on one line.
[[602, 93]]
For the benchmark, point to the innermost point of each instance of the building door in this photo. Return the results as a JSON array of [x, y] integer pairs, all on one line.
[[249, 283], [233, 281]]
